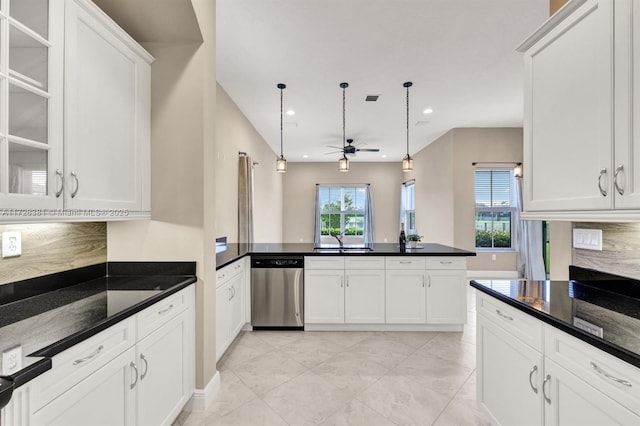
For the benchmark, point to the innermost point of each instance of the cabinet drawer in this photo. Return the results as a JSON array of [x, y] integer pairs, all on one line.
[[521, 325], [76, 363], [224, 274], [364, 262], [405, 262], [324, 262], [154, 316], [612, 376], [446, 263]]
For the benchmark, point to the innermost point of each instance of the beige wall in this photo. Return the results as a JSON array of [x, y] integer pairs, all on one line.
[[445, 197], [183, 150], [235, 133], [560, 246], [299, 189], [48, 248]]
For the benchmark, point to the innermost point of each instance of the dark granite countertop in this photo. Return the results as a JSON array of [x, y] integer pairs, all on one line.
[[49, 314], [233, 251], [604, 300]]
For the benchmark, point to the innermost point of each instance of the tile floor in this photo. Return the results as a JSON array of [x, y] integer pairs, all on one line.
[[346, 378]]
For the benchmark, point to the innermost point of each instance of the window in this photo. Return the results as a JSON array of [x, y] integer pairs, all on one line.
[[342, 210], [408, 209], [494, 209]]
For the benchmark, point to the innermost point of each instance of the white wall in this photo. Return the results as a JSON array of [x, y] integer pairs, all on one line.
[[235, 133], [299, 196]]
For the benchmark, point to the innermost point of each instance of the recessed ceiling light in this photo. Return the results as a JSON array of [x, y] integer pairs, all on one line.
[[384, 155], [426, 111], [305, 156], [291, 112]]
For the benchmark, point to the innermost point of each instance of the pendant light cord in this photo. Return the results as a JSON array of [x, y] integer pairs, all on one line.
[[343, 118], [407, 85], [281, 87]]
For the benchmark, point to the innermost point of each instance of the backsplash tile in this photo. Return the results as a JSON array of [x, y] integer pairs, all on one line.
[[54, 247], [620, 253]]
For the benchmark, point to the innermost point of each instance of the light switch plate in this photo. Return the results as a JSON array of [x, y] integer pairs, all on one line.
[[11, 360], [11, 244], [588, 239]]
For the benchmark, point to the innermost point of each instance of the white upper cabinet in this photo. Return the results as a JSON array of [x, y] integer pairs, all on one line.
[[107, 97], [74, 114], [582, 121], [568, 127], [31, 132]]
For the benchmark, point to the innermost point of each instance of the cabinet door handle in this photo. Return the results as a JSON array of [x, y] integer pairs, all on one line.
[[74, 175], [165, 310], [507, 317], [544, 393], [423, 281], [347, 280], [531, 373], [133, 385], [609, 376], [602, 172], [233, 292], [620, 189], [146, 366], [89, 357], [341, 281], [429, 281], [230, 294], [61, 176]]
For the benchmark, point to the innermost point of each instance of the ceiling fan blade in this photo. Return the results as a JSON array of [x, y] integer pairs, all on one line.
[[336, 147], [368, 149], [333, 152]]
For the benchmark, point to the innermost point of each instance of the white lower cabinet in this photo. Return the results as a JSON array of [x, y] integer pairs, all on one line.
[[364, 297], [230, 304], [405, 297], [563, 382], [147, 384], [575, 402], [323, 296], [446, 296], [508, 376], [104, 398]]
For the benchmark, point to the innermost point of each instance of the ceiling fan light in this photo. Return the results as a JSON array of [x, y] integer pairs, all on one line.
[[281, 165], [407, 164], [343, 164]]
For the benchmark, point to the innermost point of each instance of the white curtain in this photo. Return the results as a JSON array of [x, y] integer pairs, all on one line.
[[245, 199], [369, 238], [317, 224], [403, 205], [528, 241]]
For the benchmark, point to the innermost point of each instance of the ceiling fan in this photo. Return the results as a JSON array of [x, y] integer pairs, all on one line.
[[351, 149]]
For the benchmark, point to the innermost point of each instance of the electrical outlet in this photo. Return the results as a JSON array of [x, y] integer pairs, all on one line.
[[11, 244], [11, 360], [493, 257]]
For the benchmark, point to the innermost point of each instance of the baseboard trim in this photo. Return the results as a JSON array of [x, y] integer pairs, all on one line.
[[383, 327], [483, 275], [202, 398]]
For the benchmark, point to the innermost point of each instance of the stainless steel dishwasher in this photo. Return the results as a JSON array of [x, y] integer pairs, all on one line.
[[277, 292]]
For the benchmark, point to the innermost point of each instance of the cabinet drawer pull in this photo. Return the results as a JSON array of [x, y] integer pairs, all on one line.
[[133, 385], [146, 366], [507, 317], [449, 262], [341, 281], [61, 176], [405, 262], [531, 373], [165, 310], [423, 281], [544, 393], [602, 191], [74, 175], [609, 376], [620, 189], [89, 357]]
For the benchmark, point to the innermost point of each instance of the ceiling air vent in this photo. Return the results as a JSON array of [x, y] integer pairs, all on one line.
[[371, 98]]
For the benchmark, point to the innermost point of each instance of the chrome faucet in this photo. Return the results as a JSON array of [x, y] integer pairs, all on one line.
[[339, 237]]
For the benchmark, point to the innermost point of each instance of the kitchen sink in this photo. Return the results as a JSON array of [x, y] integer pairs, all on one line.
[[348, 249]]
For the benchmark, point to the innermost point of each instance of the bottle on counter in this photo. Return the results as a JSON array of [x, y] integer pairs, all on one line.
[[402, 239]]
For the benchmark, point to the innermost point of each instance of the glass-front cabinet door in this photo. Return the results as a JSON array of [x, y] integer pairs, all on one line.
[[31, 121]]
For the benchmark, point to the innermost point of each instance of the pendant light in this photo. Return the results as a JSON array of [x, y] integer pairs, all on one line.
[[343, 163], [281, 163], [407, 162]]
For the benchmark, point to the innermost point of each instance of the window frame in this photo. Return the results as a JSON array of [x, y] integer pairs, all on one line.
[[512, 210], [361, 238]]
